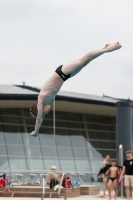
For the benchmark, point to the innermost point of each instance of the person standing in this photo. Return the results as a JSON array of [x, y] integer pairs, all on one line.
[[128, 171], [105, 178], [114, 171]]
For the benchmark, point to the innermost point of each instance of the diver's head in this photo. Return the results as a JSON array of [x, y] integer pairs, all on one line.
[[33, 110]]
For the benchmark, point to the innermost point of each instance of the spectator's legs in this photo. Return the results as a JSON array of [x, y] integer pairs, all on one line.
[[104, 186]]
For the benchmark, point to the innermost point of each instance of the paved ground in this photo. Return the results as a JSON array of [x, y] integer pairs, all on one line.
[[85, 197]]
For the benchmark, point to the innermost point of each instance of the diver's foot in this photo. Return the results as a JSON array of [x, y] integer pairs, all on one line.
[[34, 134], [112, 47]]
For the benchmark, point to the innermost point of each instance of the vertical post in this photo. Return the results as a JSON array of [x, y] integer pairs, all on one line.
[[121, 164], [54, 127], [123, 127]]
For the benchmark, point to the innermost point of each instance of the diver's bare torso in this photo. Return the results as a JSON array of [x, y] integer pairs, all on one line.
[[50, 89]]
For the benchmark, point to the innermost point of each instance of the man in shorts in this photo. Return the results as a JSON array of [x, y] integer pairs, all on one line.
[[128, 171]]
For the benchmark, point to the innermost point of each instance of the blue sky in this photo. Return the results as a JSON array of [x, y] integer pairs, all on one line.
[[36, 36]]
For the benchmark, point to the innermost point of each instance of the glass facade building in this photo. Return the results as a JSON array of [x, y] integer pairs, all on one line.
[[81, 141]]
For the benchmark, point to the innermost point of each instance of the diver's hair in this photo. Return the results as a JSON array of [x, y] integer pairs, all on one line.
[[33, 110]]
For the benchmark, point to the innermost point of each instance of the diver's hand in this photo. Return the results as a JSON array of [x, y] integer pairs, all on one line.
[[33, 133]]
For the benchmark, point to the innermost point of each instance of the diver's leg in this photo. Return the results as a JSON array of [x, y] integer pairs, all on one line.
[[75, 66]]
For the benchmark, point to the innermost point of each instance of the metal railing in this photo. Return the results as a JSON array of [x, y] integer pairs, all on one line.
[[20, 177], [52, 192]]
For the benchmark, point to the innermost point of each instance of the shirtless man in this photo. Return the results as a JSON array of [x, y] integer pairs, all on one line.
[[54, 83], [105, 178], [113, 172]]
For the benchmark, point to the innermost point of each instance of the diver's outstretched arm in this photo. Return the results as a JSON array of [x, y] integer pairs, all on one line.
[[39, 119]]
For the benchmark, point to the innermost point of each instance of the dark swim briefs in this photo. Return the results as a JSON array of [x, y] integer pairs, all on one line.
[[112, 179], [61, 74]]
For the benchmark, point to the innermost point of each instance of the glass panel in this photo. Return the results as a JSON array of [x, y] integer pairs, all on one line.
[[3, 149], [30, 128], [49, 151], [35, 163], [96, 165], [112, 120], [49, 162], [9, 119], [82, 165], [33, 151], [63, 141], [27, 120], [30, 140], [74, 125], [101, 119], [46, 139], [65, 152], [2, 140], [15, 150], [45, 130], [93, 135], [91, 179], [4, 166], [91, 126], [67, 165], [1, 128], [47, 123], [101, 127], [112, 154], [13, 138], [60, 115], [78, 141], [80, 153], [11, 128], [11, 111], [89, 118], [102, 144], [97, 153], [101, 135], [73, 117], [61, 131], [17, 163], [61, 124], [77, 132]]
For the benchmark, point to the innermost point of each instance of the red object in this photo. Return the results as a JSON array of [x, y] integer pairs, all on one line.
[[3, 182], [66, 183]]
